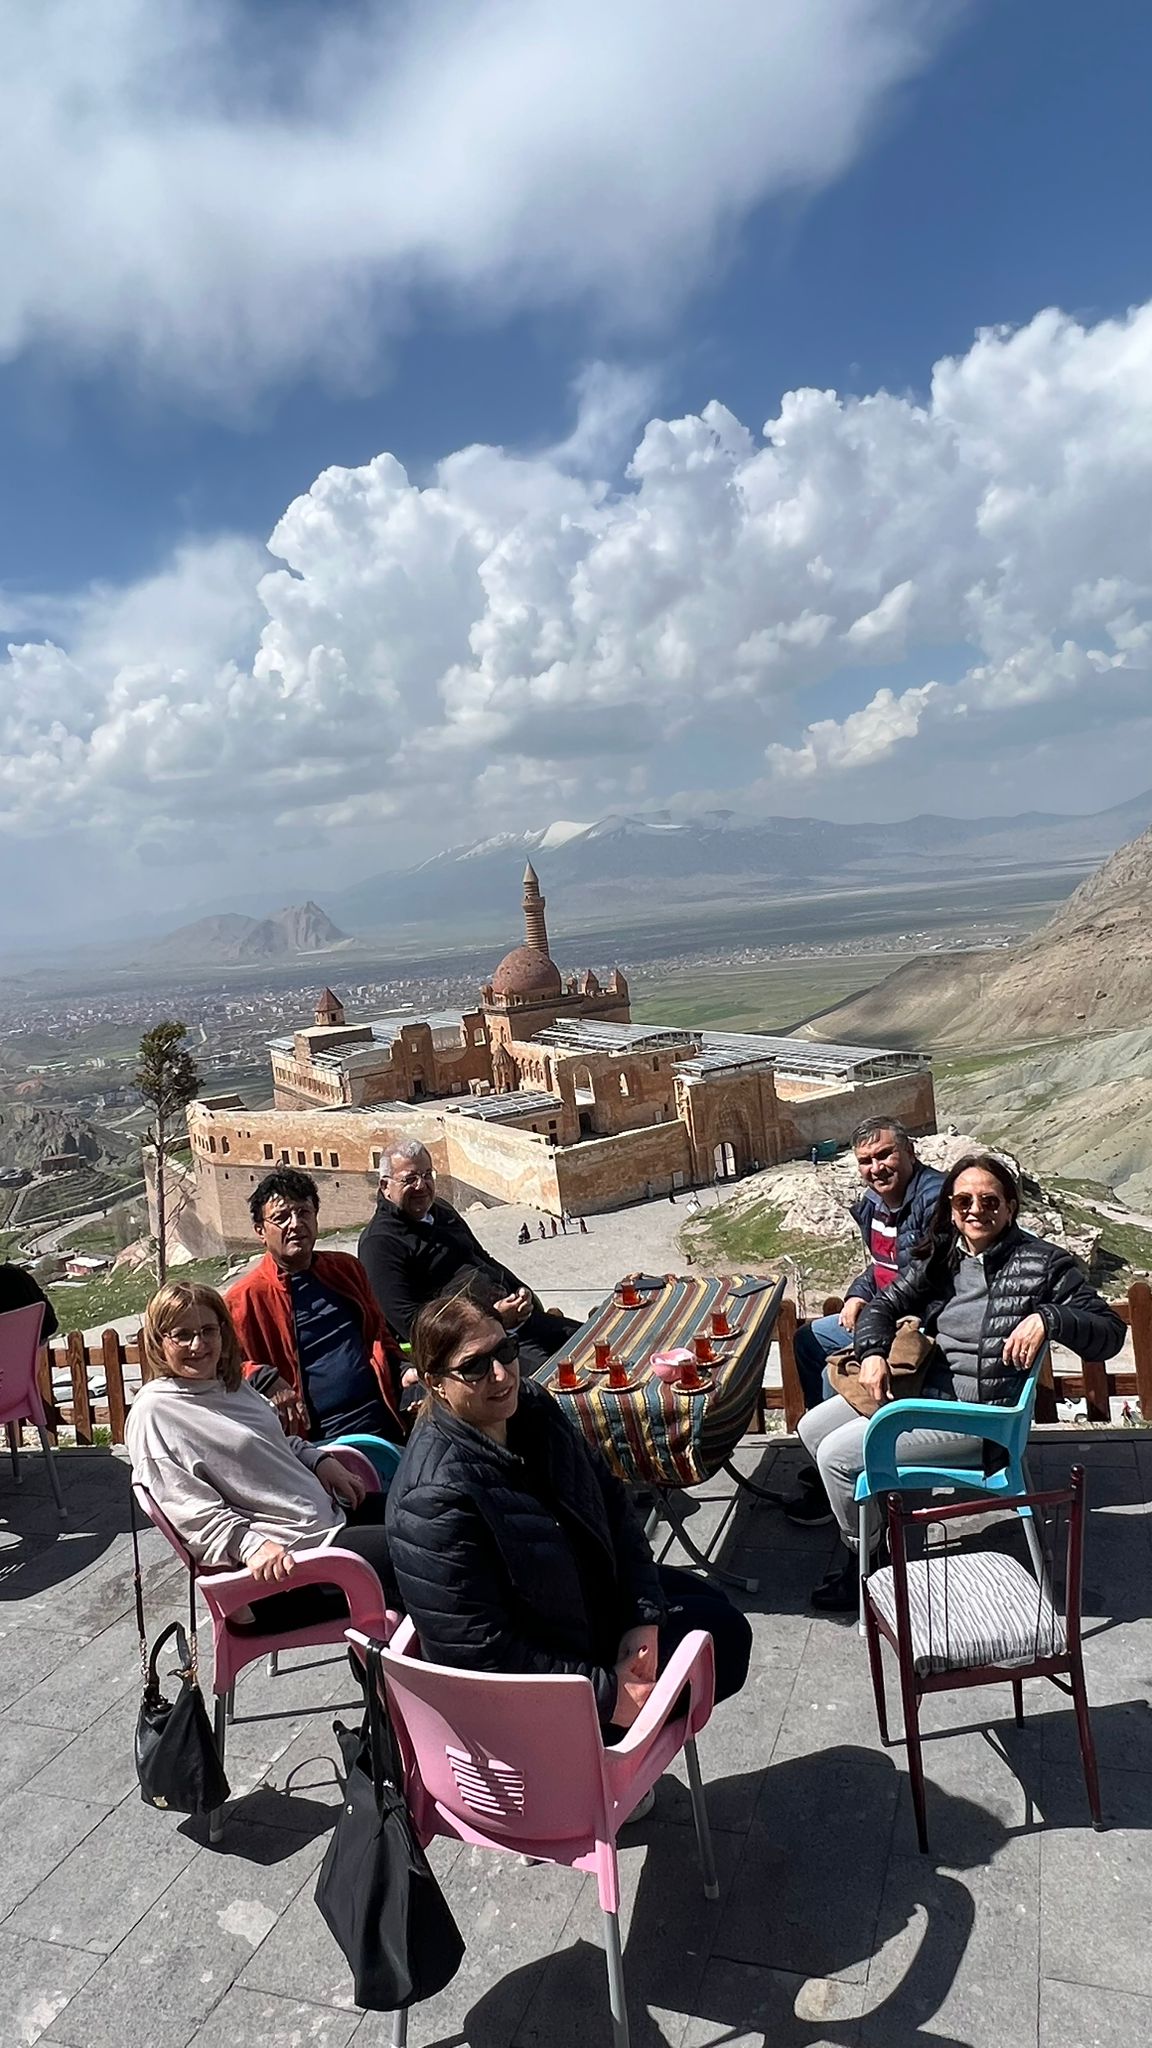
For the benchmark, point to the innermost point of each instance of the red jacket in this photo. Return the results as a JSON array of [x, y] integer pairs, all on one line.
[[260, 1304]]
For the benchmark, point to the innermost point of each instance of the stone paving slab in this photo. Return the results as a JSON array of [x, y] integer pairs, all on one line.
[[170, 1972], [1083, 2016], [255, 2019], [37, 1834], [38, 1979], [1023, 1929], [1095, 1888], [97, 1893], [83, 1680], [669, 1930], [24, 1748]]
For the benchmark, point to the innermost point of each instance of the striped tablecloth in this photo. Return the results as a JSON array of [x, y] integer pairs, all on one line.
[[653, 1433]]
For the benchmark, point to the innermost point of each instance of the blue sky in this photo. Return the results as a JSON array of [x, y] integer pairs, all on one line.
[[995, 169]]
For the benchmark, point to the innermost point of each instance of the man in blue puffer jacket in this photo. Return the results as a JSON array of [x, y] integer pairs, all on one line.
[[893, 1213]]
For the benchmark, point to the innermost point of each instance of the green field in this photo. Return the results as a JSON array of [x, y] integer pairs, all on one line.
[[91, 1304], [729, 1236], [772, 996]]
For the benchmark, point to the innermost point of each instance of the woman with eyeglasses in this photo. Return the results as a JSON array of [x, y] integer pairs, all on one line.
[[516, 1549], [214, 1457], [991, 1295]]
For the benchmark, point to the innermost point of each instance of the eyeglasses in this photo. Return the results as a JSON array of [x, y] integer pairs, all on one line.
[[983, 1205], [414, 1180], [185, 1339], [476, 1369]]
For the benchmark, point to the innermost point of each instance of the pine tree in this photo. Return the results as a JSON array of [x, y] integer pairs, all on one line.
[[168, 1080]]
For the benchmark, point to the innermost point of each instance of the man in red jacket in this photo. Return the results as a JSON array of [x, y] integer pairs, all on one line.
[[313, 1337]]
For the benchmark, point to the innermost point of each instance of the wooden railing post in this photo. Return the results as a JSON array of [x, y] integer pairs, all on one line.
[[1140, 1317], [81, 1401], [112, 1354], [789, 1377], [1097, 1404], [44, 1382]]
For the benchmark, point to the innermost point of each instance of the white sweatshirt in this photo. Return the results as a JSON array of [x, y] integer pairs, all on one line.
[[224, 1473]]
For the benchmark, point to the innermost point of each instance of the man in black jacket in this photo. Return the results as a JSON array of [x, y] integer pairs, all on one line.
[[417, 1247]]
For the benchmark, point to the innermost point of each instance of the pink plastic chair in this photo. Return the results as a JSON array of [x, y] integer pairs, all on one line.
[[520, 1764], [19, 1389], [224, 1591]]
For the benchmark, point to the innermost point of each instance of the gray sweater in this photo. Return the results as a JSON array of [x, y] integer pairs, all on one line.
[[224, 1473], [961, 1320]]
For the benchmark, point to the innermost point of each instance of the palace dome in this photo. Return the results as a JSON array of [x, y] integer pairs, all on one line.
[[526, 971]]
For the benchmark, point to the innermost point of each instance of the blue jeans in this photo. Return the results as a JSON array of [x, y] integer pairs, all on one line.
[[814, 1342]]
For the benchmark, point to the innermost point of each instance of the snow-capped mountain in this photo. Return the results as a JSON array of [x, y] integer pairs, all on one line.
[[633, 864]]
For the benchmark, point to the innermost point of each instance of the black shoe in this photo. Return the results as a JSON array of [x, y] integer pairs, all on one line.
[[839, 1593], [808, 1507]]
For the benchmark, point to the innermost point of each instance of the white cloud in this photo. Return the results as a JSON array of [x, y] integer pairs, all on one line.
[[516, 637], [232, 199], [861, 739]]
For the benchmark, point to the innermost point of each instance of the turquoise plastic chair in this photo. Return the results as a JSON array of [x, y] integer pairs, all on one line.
[[1008, 1427], [383, 1455]]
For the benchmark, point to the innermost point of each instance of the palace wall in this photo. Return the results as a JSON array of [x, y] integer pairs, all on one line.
[[817, 1119], [603, 1173]]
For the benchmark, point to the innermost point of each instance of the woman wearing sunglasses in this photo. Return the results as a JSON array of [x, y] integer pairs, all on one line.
[[516, 1549], [991, 1295]]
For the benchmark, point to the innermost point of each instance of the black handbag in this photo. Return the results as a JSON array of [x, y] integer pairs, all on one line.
[[376, 1890], [177, 1761]]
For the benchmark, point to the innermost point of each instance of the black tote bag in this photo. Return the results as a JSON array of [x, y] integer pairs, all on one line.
[[375, 1889], [177, 1761]]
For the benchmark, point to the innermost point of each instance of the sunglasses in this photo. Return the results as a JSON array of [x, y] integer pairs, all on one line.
[[476, 1369], [983, 1205]]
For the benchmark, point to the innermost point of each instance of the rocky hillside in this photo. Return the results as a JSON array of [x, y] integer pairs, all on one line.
[[29, 1132], [1084, 1112], [301, 928], [799, 1217], [1088, 970]]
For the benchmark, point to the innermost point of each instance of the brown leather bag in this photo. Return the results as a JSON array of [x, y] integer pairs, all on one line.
[[908, 1363]]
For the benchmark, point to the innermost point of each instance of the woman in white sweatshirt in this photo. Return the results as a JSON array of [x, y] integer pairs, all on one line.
[[213, 1455]]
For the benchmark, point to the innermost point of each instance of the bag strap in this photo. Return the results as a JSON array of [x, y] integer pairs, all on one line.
[[189, 1651], [387, 1767], [137, 1584], [187, 1668]]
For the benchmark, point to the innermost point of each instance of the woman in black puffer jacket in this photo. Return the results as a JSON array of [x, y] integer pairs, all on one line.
[[991, 1295], [516, 1549]]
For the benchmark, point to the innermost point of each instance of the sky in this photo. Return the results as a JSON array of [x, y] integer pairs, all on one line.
[[421, 421]]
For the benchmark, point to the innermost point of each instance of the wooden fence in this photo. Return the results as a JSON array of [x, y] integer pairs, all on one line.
[[1093, 1381]]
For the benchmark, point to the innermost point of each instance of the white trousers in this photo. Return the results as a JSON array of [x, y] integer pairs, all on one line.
[[833, 1435]]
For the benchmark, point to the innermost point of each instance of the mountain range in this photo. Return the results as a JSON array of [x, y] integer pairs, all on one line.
[[630, 865], [233, 938]]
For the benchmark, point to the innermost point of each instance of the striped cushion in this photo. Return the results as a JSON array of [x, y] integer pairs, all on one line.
[[972, 1609]]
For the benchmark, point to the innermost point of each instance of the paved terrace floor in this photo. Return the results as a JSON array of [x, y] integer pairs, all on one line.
[[121, 1928]]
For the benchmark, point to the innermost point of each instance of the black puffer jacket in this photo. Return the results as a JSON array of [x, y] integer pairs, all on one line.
[[487, 1544], [1026, 1275]]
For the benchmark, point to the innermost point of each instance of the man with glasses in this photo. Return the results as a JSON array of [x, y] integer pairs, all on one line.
[[309, 1326], [418, 1247]]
